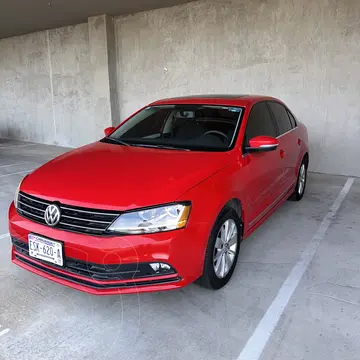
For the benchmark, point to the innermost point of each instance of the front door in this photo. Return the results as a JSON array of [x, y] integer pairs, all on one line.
[[262, 171]]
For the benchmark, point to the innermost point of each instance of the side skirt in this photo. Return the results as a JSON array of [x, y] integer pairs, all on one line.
[[270, 210]]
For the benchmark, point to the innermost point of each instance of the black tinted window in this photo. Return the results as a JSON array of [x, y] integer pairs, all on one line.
[[259, 123], [149, 126], [187, 126], [292, 119], [281, 117]]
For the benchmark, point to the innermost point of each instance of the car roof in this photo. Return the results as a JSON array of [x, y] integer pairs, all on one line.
[[215, 99]]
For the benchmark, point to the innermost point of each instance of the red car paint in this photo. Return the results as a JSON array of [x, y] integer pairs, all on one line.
[[110, 177]]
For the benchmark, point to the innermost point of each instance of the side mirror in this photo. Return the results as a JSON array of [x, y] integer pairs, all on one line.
[[109, 130], [262, 144]]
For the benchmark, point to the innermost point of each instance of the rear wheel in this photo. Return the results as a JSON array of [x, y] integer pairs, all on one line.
[[222, 251], [298, 194]]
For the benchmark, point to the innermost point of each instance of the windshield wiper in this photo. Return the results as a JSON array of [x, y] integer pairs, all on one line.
[[116, 141], [166, 147]]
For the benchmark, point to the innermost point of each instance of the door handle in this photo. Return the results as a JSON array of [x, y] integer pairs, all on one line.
[[282, 153]]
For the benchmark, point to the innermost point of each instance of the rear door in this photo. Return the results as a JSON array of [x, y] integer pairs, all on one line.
[[288, 143], [297, 144], [262, 171]]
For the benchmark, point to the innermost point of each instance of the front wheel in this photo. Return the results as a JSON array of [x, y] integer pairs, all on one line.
[[222, 251]]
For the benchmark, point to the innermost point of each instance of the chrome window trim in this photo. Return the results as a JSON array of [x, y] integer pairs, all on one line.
[[237, 128], [285, 133]]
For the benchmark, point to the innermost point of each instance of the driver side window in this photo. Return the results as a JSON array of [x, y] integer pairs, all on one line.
[[259, 123]]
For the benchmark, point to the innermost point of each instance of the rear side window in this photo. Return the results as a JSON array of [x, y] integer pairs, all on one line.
[[259, 123], [281, 116], [292, 119]]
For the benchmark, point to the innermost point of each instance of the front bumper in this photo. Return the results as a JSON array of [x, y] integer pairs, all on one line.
[[112, 265]]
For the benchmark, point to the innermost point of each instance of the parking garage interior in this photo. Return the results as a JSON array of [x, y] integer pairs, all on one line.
[[67, 71]]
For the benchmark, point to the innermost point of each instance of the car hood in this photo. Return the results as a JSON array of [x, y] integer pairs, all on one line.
[[116, 177]]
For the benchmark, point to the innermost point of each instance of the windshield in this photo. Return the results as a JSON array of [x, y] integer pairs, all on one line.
[[187, 127]]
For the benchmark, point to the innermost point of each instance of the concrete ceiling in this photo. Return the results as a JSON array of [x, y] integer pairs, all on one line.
[[23, 16]]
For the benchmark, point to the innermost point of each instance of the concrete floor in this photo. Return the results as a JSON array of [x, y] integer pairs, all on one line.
[[321, 320]]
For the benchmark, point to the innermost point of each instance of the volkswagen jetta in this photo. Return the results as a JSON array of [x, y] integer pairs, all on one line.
[[164, 199]]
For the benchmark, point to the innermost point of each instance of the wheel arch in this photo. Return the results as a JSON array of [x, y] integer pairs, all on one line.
[[302, 157], [234, 208], [236, 205], [306, 159]]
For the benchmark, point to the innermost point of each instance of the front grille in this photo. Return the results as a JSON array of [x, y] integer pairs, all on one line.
[[100, 272], [75, 219]]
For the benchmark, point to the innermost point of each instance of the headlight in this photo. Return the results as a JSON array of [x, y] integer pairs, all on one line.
[[17, 196], [157, 219]]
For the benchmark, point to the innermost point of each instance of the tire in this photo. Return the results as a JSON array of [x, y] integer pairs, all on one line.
[[299, 191], [216, 279]]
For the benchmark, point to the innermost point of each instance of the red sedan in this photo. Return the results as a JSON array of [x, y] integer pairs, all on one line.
[[162, 200]]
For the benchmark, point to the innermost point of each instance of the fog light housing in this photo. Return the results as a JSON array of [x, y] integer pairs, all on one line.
[[162, 268]]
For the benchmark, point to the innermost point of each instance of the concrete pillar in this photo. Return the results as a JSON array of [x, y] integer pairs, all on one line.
[[103, 63]]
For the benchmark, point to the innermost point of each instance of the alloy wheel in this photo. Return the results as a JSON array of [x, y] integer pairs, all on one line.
[[225, 248], [302, 179]]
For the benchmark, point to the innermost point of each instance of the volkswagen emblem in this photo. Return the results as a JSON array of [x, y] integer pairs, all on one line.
[[52, 215]]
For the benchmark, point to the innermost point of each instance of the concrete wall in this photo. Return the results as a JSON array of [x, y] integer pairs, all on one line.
[[25, 90], [64, 86], [304, 52], [54, 85], [72, 82]]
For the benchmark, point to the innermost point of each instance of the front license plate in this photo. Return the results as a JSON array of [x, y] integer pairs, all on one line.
[[45, 249]]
